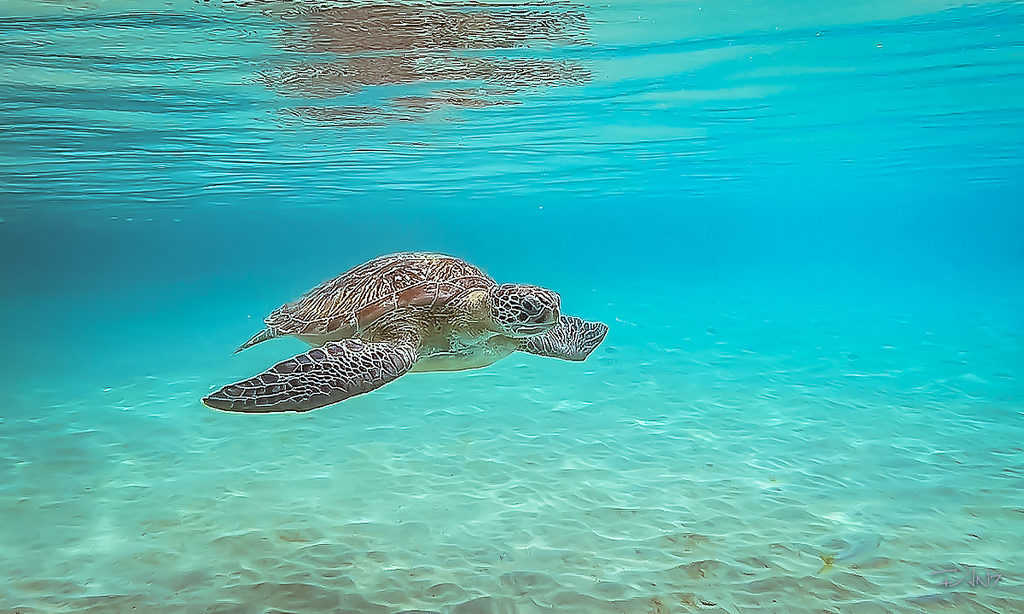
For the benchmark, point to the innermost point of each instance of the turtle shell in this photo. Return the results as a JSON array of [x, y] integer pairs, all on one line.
[[349, 303]]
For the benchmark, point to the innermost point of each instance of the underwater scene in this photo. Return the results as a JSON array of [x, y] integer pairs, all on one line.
[[697, 306]]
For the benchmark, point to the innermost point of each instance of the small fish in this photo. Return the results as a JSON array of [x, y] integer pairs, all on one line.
[[828, 560]]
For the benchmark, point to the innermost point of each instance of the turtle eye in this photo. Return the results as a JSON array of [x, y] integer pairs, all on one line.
[[531, 305]]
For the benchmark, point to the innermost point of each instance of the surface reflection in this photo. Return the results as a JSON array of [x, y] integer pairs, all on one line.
[[464, 55]]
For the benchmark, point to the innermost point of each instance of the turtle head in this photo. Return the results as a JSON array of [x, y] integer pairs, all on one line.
[[519, 310]]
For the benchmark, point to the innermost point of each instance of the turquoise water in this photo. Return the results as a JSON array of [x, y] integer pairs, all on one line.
[[802, 223]]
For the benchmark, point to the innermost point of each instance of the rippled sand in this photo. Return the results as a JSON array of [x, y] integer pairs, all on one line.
[[741, 458]]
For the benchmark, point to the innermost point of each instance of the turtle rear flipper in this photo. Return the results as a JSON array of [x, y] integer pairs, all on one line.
[[322, 376], [570, 339], [260, 337]]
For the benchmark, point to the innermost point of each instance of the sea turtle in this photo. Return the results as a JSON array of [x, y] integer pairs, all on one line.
[[399, 313]]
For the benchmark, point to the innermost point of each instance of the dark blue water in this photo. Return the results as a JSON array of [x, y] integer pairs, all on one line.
[[803, 225]]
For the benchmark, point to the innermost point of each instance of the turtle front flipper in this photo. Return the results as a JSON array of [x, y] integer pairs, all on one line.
[[570, 339], [322, 376]]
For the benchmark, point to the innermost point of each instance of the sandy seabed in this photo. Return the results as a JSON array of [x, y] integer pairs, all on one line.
[[731, 462]]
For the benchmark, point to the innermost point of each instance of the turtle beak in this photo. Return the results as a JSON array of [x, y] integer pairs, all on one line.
[[545, 322], [551, 313], [535, 329]]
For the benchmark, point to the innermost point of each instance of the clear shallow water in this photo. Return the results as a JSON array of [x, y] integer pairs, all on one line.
[[802, 225]]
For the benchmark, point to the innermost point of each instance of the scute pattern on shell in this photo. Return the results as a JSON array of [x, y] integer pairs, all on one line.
[[358, 297]]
